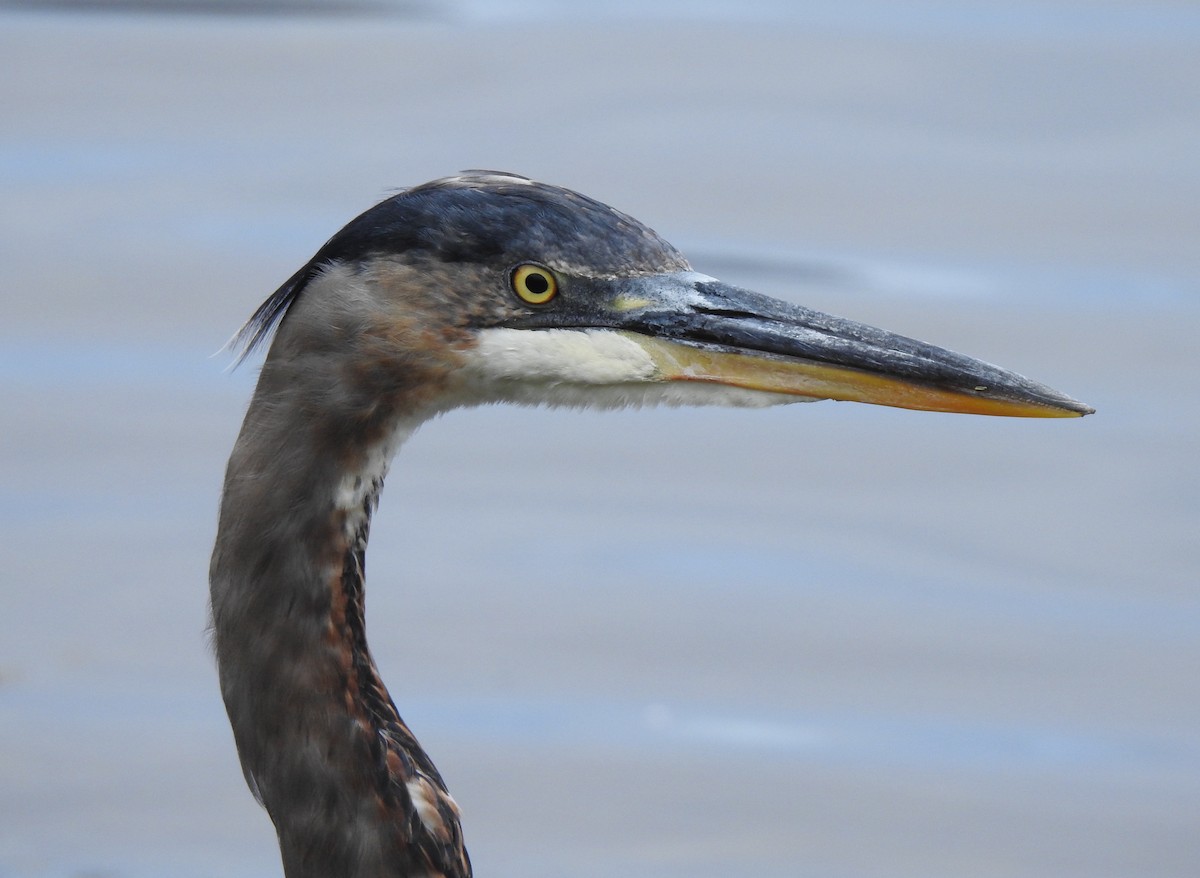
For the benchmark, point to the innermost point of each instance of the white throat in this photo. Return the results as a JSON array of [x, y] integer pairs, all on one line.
[[582, 368]]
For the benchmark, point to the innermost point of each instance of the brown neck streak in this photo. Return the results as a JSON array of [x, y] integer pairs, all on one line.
[[413, 805], [350, 791]]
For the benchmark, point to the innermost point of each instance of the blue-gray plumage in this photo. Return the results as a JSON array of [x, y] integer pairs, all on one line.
[[478, 288], [459, 220]]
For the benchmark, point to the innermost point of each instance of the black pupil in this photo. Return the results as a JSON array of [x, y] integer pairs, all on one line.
[[536, 283]]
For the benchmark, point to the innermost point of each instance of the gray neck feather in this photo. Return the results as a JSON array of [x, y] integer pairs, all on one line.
[[350, 791]]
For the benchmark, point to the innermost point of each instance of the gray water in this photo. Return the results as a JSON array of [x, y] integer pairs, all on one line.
[[823, 640]]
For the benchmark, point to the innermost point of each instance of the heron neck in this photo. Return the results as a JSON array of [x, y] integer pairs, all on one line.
[[348, 787]]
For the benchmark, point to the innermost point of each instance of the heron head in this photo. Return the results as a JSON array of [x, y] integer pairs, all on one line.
[[491, 287]]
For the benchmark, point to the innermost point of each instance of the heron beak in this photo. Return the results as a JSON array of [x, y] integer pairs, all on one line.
[[695, 328]]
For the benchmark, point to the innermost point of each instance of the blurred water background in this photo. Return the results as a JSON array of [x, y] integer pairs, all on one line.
[[823, 640]]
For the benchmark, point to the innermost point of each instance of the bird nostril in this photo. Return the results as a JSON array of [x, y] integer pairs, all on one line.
[[730, 313]]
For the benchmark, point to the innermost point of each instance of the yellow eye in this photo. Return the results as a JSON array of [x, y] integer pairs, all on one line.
[[534, 284]]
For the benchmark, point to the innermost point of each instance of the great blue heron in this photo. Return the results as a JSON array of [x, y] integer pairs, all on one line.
[[478, 288]]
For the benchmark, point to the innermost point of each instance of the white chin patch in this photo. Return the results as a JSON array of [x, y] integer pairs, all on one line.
[[583, 368]]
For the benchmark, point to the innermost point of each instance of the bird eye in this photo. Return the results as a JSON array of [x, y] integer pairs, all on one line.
[[534, 284]]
